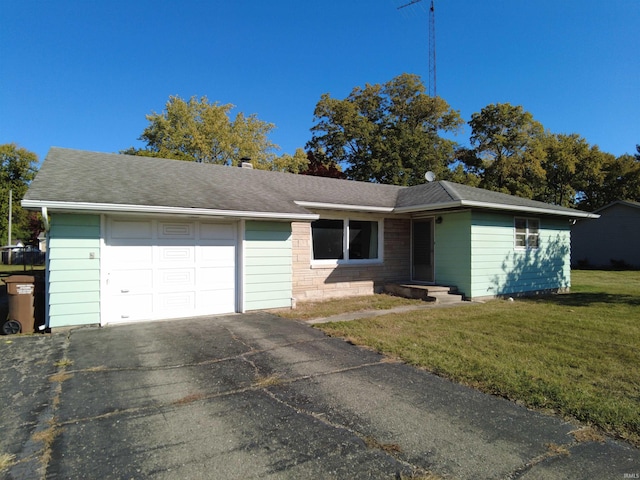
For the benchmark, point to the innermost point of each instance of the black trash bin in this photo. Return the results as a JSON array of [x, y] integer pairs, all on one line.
[[20, 290]]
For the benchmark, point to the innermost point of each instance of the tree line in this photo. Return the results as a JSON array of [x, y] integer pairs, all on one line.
[[393, 133], [388, 133]]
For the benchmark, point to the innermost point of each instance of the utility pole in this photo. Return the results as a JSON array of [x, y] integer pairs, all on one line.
[[432, 45], [9, 252], [10, 215]]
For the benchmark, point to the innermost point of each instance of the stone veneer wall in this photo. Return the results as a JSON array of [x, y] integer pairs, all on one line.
[[322, 282]]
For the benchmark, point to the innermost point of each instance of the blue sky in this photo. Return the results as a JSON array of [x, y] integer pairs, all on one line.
[[83, 74]]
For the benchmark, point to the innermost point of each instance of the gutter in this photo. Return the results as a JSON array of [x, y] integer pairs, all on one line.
[[46, 206], [497, 206], [340, 206]]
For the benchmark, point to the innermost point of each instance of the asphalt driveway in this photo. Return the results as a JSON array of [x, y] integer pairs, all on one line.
[[257, 396]]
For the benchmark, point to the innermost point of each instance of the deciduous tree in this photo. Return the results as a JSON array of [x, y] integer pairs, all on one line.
[[17, 169], [197, 130], [564, 155], [387, 133], [319, 166], [507, 150], [296, 163]]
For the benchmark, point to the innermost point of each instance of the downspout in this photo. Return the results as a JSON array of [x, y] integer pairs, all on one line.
[[45, 218], [47, 225]]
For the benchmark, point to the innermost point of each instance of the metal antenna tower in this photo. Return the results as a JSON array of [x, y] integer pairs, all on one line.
[[432, 45]]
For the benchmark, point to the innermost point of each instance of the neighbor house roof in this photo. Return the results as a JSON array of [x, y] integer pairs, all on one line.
[[76, 180], [627, 203]]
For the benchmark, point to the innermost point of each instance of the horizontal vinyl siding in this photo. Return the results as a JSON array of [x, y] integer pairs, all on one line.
[[267, 265], [498, 268], [452, 251], [73, 289]]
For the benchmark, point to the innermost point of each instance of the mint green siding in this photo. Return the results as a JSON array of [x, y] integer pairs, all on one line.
[[73, 273], [452, 251], [475, 251], [498, 268], [267, 265]]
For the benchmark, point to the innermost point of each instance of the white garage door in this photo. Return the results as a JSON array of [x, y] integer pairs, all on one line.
[[159, 269]]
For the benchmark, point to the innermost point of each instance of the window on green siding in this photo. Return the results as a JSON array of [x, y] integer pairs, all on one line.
[[527, 233], [345, 240]]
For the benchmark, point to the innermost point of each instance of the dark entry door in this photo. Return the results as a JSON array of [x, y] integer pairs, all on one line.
[[422, 247]]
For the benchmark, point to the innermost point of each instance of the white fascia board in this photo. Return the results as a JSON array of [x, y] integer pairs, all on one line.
[[498, 206], [428, 207], [122, 208], [340, 206], [540, 210]]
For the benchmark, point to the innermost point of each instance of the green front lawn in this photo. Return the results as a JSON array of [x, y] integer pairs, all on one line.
[[6, 270], [575, 354]]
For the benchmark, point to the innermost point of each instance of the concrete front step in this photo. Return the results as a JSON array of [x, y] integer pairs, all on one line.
[[428, 293]]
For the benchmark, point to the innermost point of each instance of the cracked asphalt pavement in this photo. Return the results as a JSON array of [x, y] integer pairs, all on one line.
[[257, 396]]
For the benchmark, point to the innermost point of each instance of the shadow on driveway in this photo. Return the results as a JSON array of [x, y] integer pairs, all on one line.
[[258, 396]]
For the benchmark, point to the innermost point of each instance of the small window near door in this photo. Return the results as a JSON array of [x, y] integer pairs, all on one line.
[[527, 234]]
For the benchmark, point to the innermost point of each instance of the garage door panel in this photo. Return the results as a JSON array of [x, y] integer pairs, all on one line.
[[133, 254], [176, 304], [219, 254], [176, 254], [128, 229], [169, 269], [131, 307], [216, 277], [216, 301], [131, 280], [176, 278], [217, 231], [176, 230]]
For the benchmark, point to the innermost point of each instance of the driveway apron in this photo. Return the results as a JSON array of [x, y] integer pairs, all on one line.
[[257, 396]]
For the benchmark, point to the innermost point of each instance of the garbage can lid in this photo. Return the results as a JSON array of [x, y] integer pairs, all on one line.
[[20, 279]]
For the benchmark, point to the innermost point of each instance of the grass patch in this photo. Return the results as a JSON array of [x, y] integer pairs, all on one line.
[[65, 362], [46, 437], [372, 442], [60, 377], [587, 434], [6, 461], [327, 308], [574, 354], [268, 381], [6, 270]]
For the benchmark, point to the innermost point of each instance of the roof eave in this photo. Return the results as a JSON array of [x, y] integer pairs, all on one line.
[[163, 210], [497, 206], [339, 206], [529, 209], [428, 207]]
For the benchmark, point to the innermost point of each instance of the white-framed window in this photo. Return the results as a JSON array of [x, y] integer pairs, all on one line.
[[346, 240], [527, 233]]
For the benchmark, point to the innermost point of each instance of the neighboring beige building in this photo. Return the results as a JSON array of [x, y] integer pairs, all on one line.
[[612, 240]]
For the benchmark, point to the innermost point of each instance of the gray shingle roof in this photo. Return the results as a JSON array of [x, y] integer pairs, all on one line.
[[628, 203], [443, 194], [80, 177], [88, 177]]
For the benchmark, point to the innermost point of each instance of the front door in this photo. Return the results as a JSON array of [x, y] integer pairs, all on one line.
[[422, 248]]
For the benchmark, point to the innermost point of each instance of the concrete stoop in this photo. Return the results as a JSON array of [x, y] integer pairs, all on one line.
[[428, 293]]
